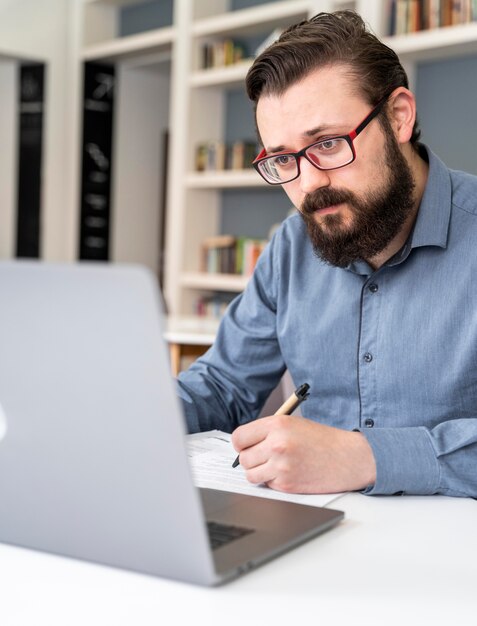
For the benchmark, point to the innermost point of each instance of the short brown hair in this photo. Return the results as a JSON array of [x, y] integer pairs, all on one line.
[[340, 38]]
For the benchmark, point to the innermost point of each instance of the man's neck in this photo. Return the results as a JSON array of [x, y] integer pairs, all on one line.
[[420, 170]]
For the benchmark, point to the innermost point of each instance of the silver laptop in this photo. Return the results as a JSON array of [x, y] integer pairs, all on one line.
[[93, 461]]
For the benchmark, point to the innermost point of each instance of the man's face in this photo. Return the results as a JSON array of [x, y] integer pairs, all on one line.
[[354, 212]]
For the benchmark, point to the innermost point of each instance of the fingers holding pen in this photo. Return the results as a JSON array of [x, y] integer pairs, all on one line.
[[249, 434], [260, 444], [300, 394]]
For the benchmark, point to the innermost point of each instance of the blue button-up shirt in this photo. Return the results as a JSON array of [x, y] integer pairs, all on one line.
[[391, 352]]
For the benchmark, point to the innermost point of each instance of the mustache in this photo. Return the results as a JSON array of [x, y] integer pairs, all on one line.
[[322, 198]]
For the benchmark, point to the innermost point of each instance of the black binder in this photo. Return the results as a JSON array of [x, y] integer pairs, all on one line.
[[95, 216], [31, 108]]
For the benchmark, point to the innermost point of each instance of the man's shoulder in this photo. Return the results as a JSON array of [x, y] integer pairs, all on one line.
[[464, 191], [290, 248], [291, 229], [293, 226]]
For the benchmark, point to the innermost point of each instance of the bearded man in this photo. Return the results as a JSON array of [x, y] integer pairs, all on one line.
[[367, 293]]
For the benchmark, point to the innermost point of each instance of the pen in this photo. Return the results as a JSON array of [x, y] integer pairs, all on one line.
[[296, 398]]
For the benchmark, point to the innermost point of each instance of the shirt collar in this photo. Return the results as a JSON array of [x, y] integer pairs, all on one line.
[[432, 222]]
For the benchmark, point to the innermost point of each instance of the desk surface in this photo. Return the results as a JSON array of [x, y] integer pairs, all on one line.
[[396, 560]]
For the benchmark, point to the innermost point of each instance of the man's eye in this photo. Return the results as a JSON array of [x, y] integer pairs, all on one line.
[[283, 160], [328, 144]]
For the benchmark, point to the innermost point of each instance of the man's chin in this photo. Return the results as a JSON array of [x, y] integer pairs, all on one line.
[[340, 213], [332, 223]]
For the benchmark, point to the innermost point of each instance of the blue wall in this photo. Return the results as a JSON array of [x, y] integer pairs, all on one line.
[[446, 96], [249, 212], [138, 18], [158, 13]]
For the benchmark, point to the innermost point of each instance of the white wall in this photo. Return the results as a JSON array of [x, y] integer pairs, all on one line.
[[8, 155], [40, 30]]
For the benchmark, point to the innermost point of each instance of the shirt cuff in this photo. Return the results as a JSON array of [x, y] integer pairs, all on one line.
[[406, 461]]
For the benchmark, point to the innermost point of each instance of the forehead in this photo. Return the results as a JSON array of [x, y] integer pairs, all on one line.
[[326, 98]]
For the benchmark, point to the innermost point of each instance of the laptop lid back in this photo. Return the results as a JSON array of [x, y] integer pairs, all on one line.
[[92, 457]]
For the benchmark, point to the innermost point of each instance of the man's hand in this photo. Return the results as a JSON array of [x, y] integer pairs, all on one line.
[[298, 455]]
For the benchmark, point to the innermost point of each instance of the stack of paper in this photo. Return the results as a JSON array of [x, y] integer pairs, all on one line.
[[211, 455]]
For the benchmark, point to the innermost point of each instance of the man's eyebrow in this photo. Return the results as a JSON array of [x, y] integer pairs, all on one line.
[[321, 129], [275, 149], [307, 133]]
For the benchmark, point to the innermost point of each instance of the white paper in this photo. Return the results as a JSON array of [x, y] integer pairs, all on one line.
[[211, 455]]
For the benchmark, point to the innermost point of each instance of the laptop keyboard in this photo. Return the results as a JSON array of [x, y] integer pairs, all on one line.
[[221, 534]]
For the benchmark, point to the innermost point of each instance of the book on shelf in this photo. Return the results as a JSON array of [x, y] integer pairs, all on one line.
[[242, 154], [227, 254], [213, 305], [214, 156], [222, 53], [248, 251], [410, 16], [218, 254]]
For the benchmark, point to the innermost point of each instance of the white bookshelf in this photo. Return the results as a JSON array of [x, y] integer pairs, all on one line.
[[8, 154], [152, 42], [225, 180], [205, 92], [213, 282], [143, 67], [437, 44], [32, 31], [251, 20], [168, 60], [222, 77]]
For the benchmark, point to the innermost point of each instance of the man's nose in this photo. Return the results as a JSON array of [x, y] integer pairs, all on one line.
[[311, 178]]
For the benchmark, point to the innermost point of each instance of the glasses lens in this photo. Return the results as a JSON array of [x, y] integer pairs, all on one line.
[[279, 169], [330, 153]]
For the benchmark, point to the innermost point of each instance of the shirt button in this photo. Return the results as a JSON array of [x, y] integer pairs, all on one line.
[[373, 288], [368, 357], [369, 423]]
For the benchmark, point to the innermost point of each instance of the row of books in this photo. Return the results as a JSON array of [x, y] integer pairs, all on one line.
[[409, 16], [222, 53], [227, 254], [218, 155], [213, 306], [227, 51]]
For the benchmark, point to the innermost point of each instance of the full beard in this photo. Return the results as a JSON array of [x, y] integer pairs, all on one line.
[[378, 216]]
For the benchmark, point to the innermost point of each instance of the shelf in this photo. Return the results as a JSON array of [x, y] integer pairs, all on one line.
[[115, 3], [14, 56], [191, 329], [227, 76], [253, 20], [225, 180], [154, 41], [436, 44], [214, 282]]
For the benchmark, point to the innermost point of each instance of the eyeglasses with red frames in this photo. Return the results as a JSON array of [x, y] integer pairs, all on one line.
[[327, 154]]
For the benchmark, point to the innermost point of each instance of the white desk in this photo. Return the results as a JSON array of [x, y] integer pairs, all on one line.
[[410, 561]]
